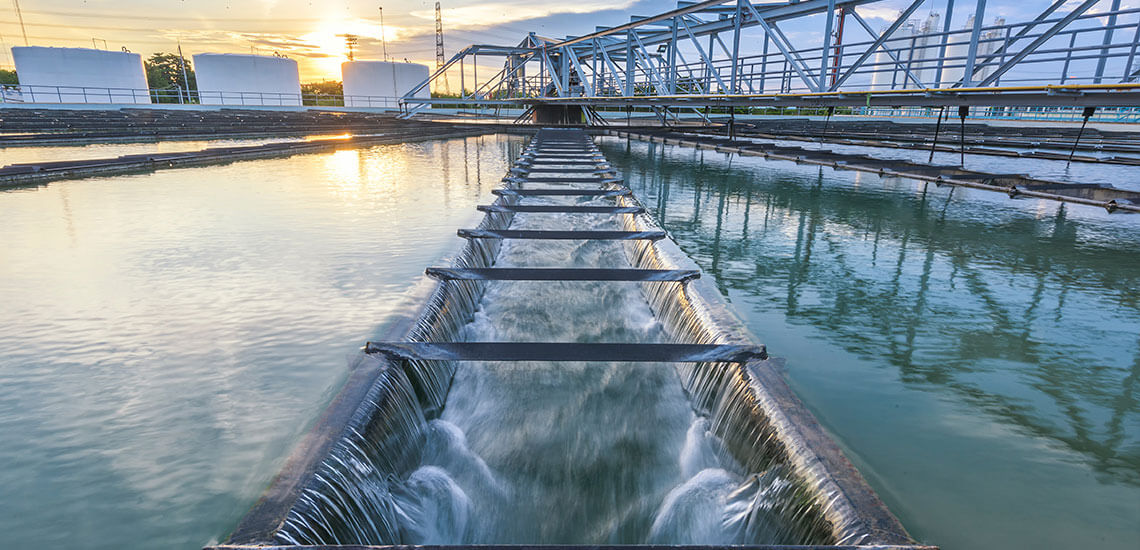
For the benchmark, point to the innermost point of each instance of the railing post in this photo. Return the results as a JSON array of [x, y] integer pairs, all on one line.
[[1068, 57], [764, 64]]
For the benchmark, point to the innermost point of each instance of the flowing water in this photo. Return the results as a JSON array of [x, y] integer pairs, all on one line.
[[977, 357], [165, 338], [547, 453]]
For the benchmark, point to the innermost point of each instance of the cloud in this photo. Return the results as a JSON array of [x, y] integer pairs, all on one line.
[[211, 36], [489, 14], [886, 13]]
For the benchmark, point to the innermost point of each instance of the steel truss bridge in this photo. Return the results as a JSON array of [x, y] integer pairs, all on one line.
[[819, 53]]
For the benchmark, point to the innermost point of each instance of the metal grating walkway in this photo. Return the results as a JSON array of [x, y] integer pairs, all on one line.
[[549, 149]]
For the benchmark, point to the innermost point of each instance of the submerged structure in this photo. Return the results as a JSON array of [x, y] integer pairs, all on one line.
[[568, 379]]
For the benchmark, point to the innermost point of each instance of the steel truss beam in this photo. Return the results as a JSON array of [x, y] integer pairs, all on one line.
[[589, 69]]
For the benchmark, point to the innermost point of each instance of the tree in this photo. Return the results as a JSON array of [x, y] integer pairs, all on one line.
[[164, 72], [8, 78], [321, 93], [326, 87]]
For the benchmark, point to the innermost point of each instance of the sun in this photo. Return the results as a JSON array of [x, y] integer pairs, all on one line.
[[329, 40]]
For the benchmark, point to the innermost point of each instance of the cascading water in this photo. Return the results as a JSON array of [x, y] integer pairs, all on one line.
[[565, 452]]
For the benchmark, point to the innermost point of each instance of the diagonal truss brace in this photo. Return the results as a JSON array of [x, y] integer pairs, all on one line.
[[879, 44], [781, 43], [890, 53], [1037, 42]]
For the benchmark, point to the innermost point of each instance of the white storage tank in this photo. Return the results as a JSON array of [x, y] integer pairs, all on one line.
[[80, 75], [988, 43], [887, 75], [241, 79], [381, 83]]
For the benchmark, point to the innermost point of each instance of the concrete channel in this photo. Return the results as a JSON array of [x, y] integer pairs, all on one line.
[[724, 369]]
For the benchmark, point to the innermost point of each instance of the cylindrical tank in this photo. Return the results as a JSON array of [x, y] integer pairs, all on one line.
[[79, 75], [886, 74], [381, 83], [241, 79], [925, 60]]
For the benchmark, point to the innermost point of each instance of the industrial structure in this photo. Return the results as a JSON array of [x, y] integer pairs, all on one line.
[[80, 75], [738, 53], [769, 54], [380, 83], [239, 79]]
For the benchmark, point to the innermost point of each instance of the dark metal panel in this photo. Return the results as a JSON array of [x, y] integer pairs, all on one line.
[[561, 192], [563, 235], [562, 209], [563, 351], [561, 274]]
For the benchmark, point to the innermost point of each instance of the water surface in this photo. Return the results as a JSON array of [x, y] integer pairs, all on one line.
[[165, 338], [977, 356], [55, 153]]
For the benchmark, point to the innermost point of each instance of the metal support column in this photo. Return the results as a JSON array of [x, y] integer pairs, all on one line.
[[1099, 76], [824, 53], [975, 35]]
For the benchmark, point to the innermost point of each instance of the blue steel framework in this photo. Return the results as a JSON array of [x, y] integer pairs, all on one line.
[[736, 52]]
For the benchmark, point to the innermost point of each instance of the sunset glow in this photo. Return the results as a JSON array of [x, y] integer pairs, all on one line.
[[310, 32]]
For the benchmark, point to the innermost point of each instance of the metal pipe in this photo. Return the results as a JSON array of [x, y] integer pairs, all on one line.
[[963, 112], [937, 128], [1087, 113]]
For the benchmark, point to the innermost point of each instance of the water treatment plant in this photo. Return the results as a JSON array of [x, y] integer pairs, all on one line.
[[830, 274]]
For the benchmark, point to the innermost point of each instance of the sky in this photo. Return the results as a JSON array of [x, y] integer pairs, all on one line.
[[307, 30], [301, 29]]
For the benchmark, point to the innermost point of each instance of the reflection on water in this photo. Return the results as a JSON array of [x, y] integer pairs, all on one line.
[[19, 155], [979, 355], [165, 338]]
